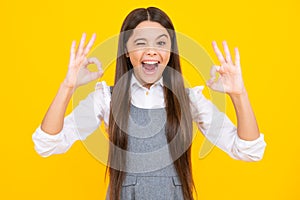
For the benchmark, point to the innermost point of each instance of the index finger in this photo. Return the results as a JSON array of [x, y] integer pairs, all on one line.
[[218, 53], [90, 44], [96, 62]]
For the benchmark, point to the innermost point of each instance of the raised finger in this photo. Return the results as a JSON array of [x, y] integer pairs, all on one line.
[[237, 56], [90, 44], [72, 53], [82, 41], [218, 53], [227, 52]]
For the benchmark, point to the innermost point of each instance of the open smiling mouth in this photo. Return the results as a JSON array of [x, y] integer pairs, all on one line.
[[150, 67]]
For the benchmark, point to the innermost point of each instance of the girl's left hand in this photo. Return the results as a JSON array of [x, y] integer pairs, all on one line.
[[230, 79]]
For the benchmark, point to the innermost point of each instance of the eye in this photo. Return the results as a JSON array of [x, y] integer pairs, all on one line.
[[161, 43], [140, 43]]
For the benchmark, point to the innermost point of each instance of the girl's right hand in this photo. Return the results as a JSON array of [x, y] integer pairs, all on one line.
[[78, 73]]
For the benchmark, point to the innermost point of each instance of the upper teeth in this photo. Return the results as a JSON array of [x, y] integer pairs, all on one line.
[[150, 62]]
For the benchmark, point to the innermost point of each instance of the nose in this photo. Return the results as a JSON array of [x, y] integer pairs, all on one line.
[[151, 52]]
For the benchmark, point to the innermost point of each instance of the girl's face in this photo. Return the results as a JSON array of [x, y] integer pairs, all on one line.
[[149, 49]]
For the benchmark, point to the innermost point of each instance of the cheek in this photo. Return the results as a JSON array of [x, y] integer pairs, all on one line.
[[166, 57], [135, 58]]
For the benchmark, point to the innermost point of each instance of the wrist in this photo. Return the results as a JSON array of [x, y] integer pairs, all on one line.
[[67, 87], [239, 96]]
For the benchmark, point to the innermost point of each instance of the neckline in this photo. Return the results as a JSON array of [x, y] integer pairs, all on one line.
[[146, 108]]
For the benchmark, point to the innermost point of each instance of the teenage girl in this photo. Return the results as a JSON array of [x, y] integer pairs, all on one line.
[[148, 112]]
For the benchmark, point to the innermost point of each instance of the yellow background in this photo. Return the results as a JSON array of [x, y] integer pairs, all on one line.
[[35, 41]]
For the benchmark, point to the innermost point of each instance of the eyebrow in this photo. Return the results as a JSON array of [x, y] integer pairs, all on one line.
[[163, 35]]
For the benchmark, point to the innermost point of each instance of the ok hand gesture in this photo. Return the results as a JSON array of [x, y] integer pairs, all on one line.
[[230, 79], [78, 73]]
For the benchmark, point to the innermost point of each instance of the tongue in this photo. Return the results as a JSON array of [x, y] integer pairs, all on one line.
[[149, 66]]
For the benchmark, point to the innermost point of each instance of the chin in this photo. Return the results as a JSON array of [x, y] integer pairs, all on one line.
[[149, 80]]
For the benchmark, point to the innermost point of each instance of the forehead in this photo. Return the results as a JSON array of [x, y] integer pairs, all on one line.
[[149, 30]]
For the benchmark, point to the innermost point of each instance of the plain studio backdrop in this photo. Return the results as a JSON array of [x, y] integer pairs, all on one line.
[[35, 41]]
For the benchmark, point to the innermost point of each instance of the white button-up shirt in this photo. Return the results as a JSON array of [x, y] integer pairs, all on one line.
[[87, 116]]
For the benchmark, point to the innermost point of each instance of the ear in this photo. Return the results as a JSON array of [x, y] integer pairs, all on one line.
[[126, 52]]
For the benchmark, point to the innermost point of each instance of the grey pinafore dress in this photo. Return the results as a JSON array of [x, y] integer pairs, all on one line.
[[150, 173]]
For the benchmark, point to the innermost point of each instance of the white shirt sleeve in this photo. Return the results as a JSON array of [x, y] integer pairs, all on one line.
[[78, 125], [220, 131]]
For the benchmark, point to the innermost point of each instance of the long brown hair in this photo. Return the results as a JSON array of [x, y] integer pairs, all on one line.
[[179, 121]]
